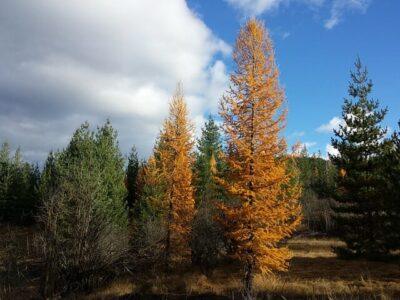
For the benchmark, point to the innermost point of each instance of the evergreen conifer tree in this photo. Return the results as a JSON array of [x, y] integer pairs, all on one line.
[[360, 212], [132, 172], [152, 184], [208, 163], [111, 164], [18, 187], [391, 189], [207, 240]]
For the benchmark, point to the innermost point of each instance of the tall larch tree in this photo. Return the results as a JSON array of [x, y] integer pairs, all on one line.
[[174, 154], [265, 207], [359, 214]]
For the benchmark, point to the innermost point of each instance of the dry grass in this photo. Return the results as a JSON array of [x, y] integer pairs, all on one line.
[[314, 273], [19, 275]]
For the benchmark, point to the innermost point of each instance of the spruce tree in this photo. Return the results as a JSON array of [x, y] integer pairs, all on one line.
[[111, 164], [101, 149], [208, 163], [18, 187], [359, 214], [152, 183], [391, 189], [5, 178], [207, 240], [83, 218], [49, 176], [81, 242], [132, 172]]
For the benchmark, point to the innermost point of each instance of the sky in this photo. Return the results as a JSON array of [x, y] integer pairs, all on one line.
[[67, 62]]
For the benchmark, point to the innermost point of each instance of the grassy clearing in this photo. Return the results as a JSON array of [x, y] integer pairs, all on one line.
[[314, 273]]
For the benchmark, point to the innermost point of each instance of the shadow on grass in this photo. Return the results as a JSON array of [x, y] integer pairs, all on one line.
[[332, 268]]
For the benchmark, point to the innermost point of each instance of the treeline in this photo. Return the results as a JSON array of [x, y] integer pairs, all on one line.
[[234, 193], [318, 180], [19, 182]]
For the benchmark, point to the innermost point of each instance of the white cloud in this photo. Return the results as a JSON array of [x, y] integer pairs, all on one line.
[[330, 126], [255, 7], [285, 35], [297, 134], [340, 7], [67, 62], [330, 150], [308, 145], [337, 8]]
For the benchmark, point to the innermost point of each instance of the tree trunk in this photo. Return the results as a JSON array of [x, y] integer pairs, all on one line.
[[248, 281], [168, 240]]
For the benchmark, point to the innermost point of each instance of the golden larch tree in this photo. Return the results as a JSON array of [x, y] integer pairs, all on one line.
[[264, 208], [174, 152]]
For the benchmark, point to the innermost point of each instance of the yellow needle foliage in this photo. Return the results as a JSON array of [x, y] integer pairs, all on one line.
[[174, 154], [265, 208]]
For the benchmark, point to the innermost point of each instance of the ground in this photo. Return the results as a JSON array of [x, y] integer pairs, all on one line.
[[315, 272]]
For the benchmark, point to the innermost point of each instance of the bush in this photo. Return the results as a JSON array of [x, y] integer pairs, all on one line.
[[149, 243], [207, 239], [80, 248], [83, 218]]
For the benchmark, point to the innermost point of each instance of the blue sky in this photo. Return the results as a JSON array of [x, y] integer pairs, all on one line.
[[315, 60], [67, 62]]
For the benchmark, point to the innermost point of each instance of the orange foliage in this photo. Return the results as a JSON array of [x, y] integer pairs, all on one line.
[[265, 209], [174, 153]]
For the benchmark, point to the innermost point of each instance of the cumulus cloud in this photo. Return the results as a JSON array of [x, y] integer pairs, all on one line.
[[340, 7], [64, 62], [330, 150], [330, 126]]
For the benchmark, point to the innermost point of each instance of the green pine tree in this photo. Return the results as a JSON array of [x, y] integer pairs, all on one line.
[[111, 164], [391, 189], [83, 217], [5, 178], [360, 209], [208, 163], [18, 187], [132, 172], [103, 159], [207, 238]]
